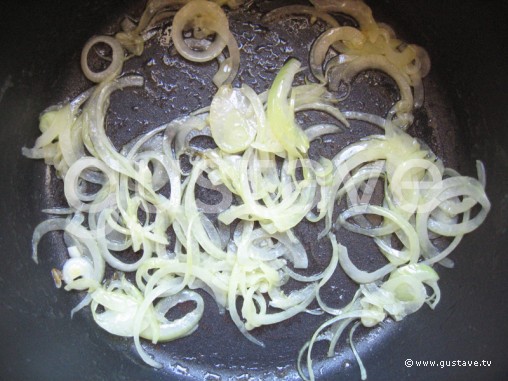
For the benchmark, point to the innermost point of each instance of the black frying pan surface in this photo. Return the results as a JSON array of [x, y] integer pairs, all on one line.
[[463, 120]]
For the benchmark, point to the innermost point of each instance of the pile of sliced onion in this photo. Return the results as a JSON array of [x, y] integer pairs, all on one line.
[[118, 200]]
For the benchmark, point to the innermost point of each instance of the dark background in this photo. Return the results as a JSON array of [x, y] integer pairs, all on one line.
[[38, 341]]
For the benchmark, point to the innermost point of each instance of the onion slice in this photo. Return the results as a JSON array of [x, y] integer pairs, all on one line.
[[117, 58]]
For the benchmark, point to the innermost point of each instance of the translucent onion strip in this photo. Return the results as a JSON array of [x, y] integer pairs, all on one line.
[[115, 66]]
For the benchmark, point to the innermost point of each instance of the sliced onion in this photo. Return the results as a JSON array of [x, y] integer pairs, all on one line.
[[356, 9], [327, 39], [117, 58], [319, 130], [358, 275], [74, 196], [281, 12], [141, 192], [212, 18]]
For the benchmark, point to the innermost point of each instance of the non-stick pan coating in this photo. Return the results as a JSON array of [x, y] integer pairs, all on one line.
[[464, 119]]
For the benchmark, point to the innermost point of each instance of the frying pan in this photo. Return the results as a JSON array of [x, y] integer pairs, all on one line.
[[464, 119]]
